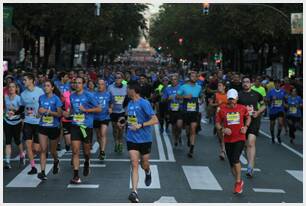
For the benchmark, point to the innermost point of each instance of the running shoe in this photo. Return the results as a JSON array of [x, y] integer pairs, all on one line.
[[133, 197], [238, 187], [120, 148], [32, 171], [42, 176], [56, 167], [67, 147], [7, 165], [190, 154], [102, 155], [279, 140], [222, 155], [249, 172], [148, 179], [75, 180], [86, 169], [273, 141]]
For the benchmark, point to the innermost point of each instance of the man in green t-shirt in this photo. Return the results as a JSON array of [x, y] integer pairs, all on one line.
[[258, 88]]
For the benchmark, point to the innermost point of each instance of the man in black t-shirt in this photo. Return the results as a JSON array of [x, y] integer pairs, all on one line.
[[255, 105]]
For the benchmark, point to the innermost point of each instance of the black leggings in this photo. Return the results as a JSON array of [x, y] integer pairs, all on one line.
[[12, 132], [292, 121], [233, 151]]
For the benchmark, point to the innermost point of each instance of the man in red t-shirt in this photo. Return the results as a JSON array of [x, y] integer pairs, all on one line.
[[230, 120]]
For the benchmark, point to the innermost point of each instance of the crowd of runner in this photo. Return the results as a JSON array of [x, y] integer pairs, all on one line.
[[42, 107]]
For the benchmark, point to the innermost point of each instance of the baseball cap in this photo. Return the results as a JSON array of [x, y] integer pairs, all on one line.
[[232, 94]]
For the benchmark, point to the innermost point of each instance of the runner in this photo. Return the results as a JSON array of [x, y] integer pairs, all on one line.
[[139, 136], [83, 104], [29, 102], [294, 104], [49, 126], [230, 121], [251, 99], [275, 99], [175, 109], [190, 93], [101, 119], [220, 99], [119, 98], [12, 125]]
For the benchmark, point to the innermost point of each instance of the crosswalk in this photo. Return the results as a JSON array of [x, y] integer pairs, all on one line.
[[198, 178]]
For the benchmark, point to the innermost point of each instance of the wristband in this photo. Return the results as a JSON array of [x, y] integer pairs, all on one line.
[[142, 125]]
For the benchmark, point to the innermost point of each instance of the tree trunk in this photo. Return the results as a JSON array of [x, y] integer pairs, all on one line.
[[48, 47], [58, 57], [72, 54]]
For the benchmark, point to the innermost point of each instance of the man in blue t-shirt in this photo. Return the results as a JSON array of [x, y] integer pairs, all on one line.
[[83, 105], [276, 98], [30, 105], [139, 136], [190, 93]]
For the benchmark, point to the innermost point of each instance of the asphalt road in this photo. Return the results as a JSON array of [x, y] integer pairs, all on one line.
[[176, 178]]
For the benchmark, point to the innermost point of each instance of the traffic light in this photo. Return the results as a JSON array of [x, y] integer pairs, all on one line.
[[181, 40], [205, 8]]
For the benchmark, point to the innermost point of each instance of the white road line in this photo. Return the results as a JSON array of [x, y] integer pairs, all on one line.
[[25, 180], [61, 153], [268, 190], [297, 174], [95, 148], [254, 169], [155, 178], [283, 144], [243, 160], [166, 199], [160, 147], [169, 147], [94, 165], [83, 186], [106, 160], [201, 178]]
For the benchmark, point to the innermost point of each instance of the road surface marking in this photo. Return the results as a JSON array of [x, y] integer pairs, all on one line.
[[61, 153], [201, 178], [254, 169], [106, 160], [284, 145], [160, 147], [93, 165], [155, 178], [25, 180], [95, 148], [169, 147], [297, 174], [166, 199], [268, 190], [83, 186]]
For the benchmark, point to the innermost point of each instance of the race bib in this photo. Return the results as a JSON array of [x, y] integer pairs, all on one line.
[[233, 118], [47, 119], [174, 106], [292, 110], [191, 107], [79, 118], [132, 120], [119, 99], [278, 103]]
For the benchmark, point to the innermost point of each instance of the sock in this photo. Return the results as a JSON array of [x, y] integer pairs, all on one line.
[[7, 158], [32, 163], [148, 172], [75, 173], [191, 148], [86, 158], [43, 172]]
